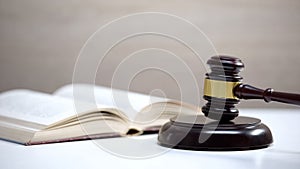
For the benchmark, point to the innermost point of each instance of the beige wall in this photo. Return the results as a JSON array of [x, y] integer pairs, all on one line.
[[40, 40]]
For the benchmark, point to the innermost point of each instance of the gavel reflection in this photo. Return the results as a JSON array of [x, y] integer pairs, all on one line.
[[223, 89]]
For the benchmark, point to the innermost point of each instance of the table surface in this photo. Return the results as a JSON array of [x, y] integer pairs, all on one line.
[[143, 151]]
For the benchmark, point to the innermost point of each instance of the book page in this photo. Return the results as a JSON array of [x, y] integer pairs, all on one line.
[[36, 107], [159, 113], [128, 102]]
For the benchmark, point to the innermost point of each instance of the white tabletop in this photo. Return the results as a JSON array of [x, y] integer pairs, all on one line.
[[143, 151]]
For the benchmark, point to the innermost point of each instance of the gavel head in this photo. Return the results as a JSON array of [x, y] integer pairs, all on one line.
[[218, 88]]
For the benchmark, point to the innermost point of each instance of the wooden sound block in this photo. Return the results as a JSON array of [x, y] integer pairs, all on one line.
[[201, 133]]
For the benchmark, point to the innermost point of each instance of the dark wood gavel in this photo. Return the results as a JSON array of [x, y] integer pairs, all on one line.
[[223, 89]]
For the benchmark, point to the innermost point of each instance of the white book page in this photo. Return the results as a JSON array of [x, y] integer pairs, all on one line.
[[128, 102], [35, 107]]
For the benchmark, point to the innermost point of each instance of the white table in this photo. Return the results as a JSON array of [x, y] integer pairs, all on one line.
[[143, 151]]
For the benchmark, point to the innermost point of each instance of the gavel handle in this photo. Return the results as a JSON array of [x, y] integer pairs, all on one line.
[[244, 91]]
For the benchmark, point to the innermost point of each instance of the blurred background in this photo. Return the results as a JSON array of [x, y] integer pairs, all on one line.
[[40, 41]]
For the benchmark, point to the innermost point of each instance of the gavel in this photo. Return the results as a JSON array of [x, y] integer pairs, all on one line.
[[222, 129], [224, 88]]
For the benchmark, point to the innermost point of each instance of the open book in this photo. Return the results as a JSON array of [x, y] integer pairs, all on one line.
[[82, 111]]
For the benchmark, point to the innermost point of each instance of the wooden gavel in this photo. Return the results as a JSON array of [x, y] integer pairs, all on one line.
[[223, 89]]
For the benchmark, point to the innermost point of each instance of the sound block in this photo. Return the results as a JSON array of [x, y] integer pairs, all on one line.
[[201, 133]]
